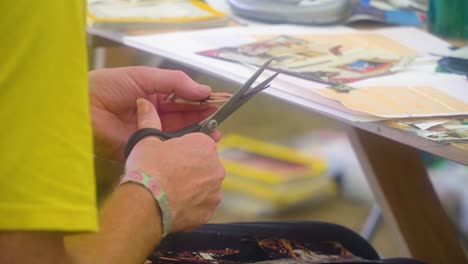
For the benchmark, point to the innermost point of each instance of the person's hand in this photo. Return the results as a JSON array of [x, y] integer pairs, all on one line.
[[113, 93], [188, 169]]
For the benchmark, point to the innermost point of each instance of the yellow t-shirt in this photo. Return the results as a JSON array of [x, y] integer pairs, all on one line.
[[46, 165]]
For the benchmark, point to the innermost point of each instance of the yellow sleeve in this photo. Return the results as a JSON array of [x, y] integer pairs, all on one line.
[[46, 165]]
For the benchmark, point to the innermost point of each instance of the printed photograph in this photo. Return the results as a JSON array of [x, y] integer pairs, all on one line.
[[440, 130], [321, 60]]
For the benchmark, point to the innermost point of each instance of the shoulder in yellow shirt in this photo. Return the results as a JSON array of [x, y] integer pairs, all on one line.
[[46, 165]]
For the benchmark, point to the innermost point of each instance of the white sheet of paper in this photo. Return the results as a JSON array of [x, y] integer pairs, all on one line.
[[427, 125], [181, 46], [461, 53], [174, 46]]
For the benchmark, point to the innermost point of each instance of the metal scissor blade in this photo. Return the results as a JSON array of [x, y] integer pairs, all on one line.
[[255, 76], [262, 86], [224, 111], [246, 97]]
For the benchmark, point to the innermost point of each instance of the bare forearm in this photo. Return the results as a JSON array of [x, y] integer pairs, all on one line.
[[34, 247], [130, 229]]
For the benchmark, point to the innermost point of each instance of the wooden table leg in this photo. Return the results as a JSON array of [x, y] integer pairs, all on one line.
[[407, 198]]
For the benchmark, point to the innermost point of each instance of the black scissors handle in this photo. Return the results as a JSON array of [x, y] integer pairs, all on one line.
[[153, 132]]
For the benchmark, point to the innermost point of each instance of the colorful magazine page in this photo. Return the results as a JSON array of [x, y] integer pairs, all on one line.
[[269, 177], [440, 130], [320, 60], [267, 163], [406, 91]]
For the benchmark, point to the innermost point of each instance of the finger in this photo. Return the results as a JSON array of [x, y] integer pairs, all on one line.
[[174, 108], [216, 135], [147, 115], [176, 120], [154, 80]]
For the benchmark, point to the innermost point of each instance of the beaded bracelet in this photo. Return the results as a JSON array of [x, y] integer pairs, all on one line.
[[158, 193]]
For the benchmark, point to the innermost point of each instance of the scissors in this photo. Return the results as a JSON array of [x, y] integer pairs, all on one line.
[[208, 125]]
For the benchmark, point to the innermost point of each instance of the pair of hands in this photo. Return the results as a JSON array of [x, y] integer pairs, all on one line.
[[188, 168]]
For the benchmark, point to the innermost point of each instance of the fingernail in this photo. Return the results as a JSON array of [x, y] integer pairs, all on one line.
[[142, 107]]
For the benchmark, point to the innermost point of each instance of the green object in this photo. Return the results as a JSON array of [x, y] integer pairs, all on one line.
[[431, 161], [440, 69], [448, 18]]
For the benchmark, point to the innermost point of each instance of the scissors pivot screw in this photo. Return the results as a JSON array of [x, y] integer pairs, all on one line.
[[212, 124]]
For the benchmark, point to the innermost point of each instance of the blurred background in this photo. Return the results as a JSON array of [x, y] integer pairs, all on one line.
[[293, 147]]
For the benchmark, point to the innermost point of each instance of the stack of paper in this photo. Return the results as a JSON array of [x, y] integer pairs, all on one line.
[[355, 75], [263, 178], [128, 15]]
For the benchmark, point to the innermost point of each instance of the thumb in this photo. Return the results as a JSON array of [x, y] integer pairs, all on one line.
[[147, 115]]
